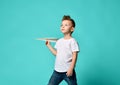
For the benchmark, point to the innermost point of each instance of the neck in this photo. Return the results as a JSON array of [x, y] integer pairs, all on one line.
[[67, 36]]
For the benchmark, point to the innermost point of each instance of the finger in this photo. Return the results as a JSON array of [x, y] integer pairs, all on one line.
[[46, 42], [67, 74]]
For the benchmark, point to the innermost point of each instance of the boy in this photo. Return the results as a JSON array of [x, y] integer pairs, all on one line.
[[66, 54]]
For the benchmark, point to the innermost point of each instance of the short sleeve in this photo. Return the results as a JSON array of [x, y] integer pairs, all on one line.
[[74, 46]]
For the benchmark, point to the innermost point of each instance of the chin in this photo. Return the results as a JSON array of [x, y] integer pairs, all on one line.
[[63, 32]]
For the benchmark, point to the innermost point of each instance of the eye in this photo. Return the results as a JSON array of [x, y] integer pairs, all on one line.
[[66, 24]]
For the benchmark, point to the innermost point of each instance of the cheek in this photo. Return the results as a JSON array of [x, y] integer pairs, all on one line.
[[68, 28]]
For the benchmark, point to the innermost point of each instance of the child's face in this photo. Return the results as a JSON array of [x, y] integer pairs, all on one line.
[[66, 26]]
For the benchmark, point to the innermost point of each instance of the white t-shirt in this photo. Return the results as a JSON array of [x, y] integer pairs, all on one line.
[[64, 48]]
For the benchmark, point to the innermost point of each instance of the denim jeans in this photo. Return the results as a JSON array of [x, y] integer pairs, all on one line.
[[57, 77]]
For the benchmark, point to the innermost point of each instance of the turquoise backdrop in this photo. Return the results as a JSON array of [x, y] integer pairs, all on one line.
[[26, 61]]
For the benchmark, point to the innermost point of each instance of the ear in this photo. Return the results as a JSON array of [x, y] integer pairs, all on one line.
[[72, 29]]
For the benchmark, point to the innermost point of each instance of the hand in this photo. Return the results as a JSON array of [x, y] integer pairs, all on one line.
[[69, 73], [47, 43]]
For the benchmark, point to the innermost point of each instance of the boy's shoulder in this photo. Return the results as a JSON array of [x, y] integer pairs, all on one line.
[[59, 40], [71, 39]]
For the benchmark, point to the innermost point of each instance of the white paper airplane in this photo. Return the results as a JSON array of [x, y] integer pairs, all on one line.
[[48, 39]]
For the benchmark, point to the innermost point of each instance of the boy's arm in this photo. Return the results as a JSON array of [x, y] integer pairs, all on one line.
[[74, 59], [54, 52]]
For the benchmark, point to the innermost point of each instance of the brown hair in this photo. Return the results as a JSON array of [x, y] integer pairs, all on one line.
[[69, 18]]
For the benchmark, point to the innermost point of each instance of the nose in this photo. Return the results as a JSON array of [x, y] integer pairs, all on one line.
[[62, 26]]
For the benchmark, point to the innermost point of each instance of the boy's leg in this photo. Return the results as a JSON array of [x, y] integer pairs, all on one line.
[[71, 80], [55, 79]]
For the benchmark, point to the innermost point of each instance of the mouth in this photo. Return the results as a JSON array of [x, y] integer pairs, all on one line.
[[62, 29]]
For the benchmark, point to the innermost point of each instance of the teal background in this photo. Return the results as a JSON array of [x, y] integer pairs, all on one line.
[[26, 61]]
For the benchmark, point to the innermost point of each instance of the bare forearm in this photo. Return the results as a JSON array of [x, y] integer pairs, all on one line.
[[54, 52], [74, 59]]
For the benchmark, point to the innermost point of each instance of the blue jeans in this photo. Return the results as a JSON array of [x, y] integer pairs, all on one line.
[[57, 77]]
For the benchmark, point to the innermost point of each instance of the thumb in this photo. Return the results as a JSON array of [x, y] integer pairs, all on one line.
[[46, 42]]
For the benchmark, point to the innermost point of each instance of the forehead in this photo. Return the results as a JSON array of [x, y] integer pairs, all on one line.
[[66, 22]]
